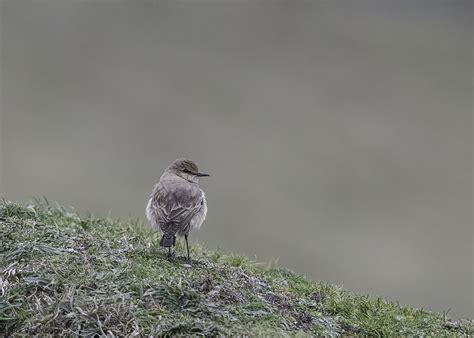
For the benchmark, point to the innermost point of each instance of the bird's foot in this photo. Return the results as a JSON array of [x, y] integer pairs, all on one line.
[[170, 256], [187, 263]]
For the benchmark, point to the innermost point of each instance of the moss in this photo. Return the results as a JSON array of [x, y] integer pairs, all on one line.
[[67, 275]]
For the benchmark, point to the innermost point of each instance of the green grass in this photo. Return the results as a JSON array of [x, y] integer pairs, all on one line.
[[66, 275]]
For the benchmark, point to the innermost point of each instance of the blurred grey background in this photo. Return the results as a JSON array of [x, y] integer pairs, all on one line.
[[338, 134]]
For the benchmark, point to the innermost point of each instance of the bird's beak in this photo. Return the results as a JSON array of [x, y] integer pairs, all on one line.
[[202, 175]]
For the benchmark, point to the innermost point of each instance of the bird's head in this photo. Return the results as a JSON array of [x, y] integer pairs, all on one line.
[[186, 169]]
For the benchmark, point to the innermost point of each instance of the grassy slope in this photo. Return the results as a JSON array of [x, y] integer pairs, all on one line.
[[62, 274]]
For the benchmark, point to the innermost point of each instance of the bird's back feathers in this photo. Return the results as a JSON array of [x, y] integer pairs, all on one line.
[[173, 204]]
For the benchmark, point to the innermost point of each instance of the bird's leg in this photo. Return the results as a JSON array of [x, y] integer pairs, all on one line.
[[170, 254], [187, 247]]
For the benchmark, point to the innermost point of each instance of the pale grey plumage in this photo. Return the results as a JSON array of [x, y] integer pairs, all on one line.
[[177, 203]]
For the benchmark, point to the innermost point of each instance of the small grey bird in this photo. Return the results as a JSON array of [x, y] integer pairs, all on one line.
[[177, 204]]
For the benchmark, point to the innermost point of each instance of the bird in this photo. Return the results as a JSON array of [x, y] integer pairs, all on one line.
[[177, 204]]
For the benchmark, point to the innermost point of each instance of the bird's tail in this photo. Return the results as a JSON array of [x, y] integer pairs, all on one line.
[[168, 240]]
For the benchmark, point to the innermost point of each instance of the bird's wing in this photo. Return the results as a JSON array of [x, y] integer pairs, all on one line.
[[177, 204]]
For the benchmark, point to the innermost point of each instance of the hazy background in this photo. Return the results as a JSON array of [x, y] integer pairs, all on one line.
[[338, 134]]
